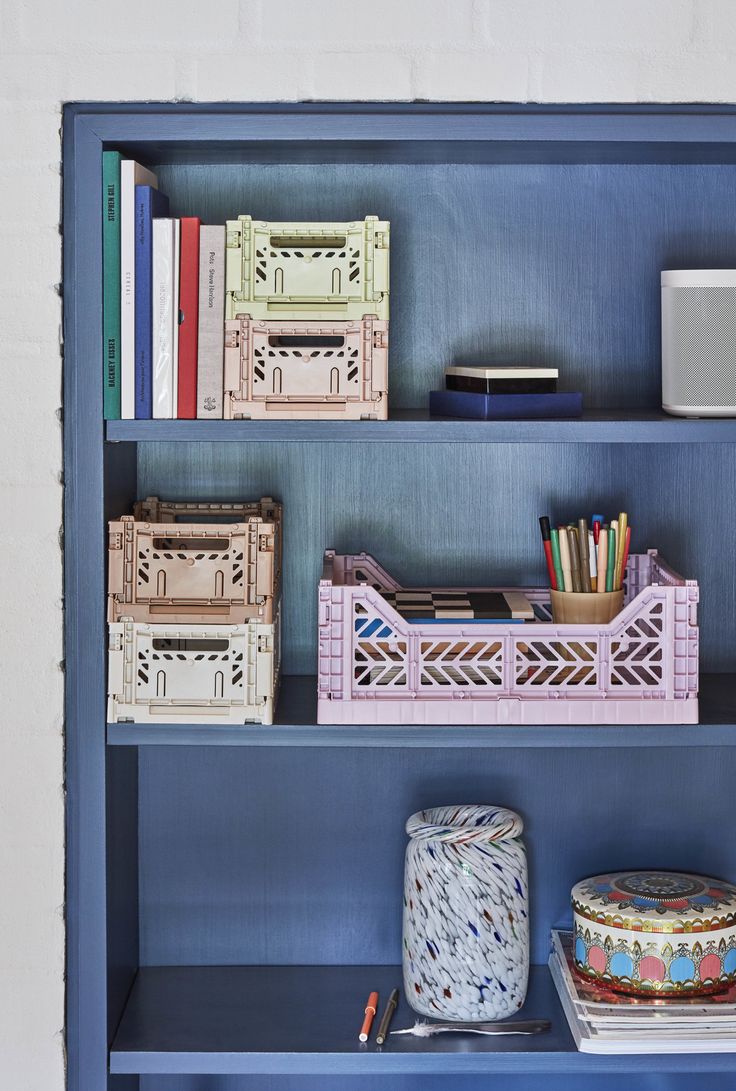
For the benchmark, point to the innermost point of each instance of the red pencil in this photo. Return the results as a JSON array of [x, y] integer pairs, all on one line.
[[544, 527], [370, 1011]]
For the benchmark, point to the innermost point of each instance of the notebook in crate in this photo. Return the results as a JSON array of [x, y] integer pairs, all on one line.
[[602, 1021], [473, 606]]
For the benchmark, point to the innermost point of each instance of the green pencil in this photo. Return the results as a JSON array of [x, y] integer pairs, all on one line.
[[556, 561], [611, 566]]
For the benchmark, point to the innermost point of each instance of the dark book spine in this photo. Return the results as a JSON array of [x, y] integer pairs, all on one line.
[[148, 203], [111, 284]]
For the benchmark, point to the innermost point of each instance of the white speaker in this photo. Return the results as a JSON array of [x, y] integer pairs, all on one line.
[[699, 342]]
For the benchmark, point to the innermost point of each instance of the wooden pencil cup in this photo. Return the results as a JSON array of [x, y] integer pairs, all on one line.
[[585, 608]]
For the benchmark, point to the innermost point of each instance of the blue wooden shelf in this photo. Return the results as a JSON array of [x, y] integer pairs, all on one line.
[[296, 726], [281, 1020], [170, 851], [416, 426]]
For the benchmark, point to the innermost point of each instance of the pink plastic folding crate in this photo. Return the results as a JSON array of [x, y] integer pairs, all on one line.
[[200, 571], [375, 667], [309, 369]]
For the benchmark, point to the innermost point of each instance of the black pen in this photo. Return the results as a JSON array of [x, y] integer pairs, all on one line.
[[391, 1006]]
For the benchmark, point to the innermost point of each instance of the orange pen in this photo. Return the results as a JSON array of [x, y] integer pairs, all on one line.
[[370, 1011]]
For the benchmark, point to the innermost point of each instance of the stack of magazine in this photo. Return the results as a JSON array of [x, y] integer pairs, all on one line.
[[603, 1021]]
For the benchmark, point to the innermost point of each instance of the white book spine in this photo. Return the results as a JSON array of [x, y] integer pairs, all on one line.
[[176, 314], [211, 333], [131, 175], [162, 290]]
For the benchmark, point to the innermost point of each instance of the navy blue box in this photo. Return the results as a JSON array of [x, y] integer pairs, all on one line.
[[460, 403]]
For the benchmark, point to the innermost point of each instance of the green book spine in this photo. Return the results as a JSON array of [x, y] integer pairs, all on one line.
[[111, 284]]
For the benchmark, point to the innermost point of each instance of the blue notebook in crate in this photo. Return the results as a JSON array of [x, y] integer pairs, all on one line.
[[461, 403]]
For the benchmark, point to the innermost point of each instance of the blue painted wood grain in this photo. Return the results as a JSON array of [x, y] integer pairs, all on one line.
[[84, 560], [416, 426], [642, 1081], [453, 514], [296, 855], [303, 1020], [296, 725], [439, 131], [101, 816], [526, 263]]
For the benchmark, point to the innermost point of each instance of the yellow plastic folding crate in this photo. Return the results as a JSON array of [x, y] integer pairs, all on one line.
[[306, 270]]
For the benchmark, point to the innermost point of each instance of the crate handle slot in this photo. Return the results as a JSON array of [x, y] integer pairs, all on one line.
[[189, 644], [198, 544], [304, 341], [308, 242]]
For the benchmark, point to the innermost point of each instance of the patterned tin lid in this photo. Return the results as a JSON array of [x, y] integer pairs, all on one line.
[[655, 901]]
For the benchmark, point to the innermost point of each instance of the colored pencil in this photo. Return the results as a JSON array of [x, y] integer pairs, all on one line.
[[602, 560], [621, 540], [593, 559], [547, 543], [584, 558], [565, 560], [572, 541], [627, 544], [611, 562], [555, 541]]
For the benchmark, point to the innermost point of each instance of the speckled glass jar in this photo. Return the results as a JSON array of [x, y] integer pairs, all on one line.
[[466, 921]]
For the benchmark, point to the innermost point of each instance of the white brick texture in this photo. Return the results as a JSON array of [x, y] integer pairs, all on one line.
[[589, 24], [328, 23], [508, 50]]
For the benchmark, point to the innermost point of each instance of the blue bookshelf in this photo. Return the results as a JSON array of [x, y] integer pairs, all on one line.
[[218, 876]]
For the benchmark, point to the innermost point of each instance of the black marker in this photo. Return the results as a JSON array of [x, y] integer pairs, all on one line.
[[393, 1003]]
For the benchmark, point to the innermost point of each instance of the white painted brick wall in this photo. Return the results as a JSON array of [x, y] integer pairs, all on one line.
[[512, 50]]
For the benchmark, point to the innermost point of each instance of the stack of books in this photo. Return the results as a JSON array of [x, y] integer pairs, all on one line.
[[163, 302], [503, 393], [603, 1021]]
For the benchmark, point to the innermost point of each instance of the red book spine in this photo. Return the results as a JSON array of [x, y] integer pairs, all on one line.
[[189, 317]]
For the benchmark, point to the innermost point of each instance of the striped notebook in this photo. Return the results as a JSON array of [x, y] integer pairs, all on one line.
[[474, 606]]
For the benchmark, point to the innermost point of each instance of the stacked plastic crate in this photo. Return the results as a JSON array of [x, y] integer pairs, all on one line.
[[306, 330], [193, 612]]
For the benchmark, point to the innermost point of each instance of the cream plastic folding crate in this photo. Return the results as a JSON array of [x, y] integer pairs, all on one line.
[[375, 667], [306, 270], [220, 564], [224, 674], [314, 369]]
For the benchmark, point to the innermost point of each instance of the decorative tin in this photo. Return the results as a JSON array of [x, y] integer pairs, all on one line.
[[466, 921], [655, 932]]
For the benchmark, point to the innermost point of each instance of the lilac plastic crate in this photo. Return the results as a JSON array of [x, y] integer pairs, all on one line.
[[377, 668]]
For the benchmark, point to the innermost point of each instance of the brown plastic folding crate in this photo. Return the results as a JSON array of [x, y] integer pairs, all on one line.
[[307, 270], [309, 369], [227, 674], [221, 564]]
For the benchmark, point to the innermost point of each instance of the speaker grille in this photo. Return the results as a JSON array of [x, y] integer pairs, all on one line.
[[699, 347]]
